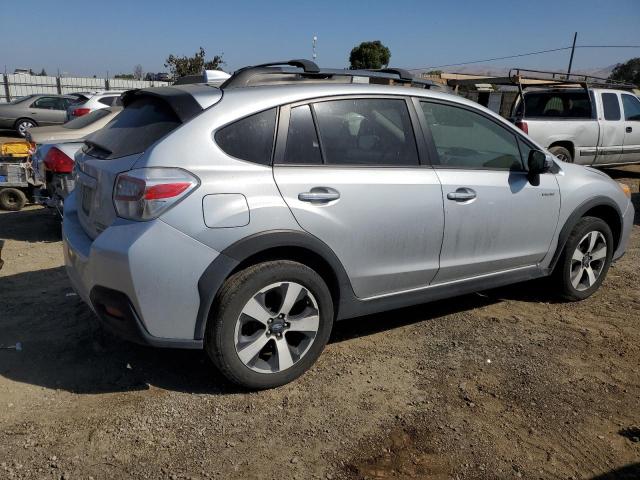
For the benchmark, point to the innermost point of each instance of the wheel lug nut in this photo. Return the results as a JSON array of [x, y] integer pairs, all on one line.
[[269, 332], [278, 335], [270, 320]]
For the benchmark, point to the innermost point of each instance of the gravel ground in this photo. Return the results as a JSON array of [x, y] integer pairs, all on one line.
[[499, 385]]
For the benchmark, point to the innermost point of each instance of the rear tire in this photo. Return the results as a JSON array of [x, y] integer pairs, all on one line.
[[562, 153], [12, 199], [270, 323], [585, 259], [24, 124]]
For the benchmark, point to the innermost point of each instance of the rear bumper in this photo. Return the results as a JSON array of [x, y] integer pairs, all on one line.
[[149, 271], [627, 226]]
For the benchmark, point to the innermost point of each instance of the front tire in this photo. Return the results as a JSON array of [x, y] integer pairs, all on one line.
[[12, 199], [24, 124], [270, 324], [585, 259]]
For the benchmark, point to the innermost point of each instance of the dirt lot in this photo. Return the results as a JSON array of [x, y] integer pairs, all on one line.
[[504, 384]]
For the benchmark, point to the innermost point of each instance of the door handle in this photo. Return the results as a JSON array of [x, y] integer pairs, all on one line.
[[629, 130], [319, 195], [462, 195]]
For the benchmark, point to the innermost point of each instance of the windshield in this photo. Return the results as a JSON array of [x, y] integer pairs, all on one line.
[[88, 119]]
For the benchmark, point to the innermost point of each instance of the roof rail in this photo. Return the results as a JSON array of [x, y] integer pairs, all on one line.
[[291, 71], [526, 78]]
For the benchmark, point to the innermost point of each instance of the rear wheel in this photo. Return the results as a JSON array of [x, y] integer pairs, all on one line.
[[12, 199], [585, 259], [24, 124], [562, 153], [271, 323]]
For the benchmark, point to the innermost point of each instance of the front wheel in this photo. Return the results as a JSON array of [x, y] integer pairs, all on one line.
[[585, 259], [270, 323], [24, 124]]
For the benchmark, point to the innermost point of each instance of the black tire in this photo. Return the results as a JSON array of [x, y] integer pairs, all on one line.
[[562, 153], [563, 270], [23, 124], [235, 293], [12, 199]]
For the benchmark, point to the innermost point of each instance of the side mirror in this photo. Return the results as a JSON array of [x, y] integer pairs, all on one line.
[[538, 162]]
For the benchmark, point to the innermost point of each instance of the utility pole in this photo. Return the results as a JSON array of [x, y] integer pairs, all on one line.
[[573, 49], [314, 44]]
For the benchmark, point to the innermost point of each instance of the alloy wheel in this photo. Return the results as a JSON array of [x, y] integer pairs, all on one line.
[[23, 127], [588, 260], [276, 327]]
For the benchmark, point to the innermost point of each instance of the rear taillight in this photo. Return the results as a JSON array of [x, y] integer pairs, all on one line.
[[78, 112], [57, 161], [146, 193], [522, 125]]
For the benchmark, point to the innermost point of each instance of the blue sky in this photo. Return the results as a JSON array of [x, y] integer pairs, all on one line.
[[94, 37]]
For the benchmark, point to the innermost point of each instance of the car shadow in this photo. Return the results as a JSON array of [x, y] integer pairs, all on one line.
[[616, 173], [10, 133], [628, 472], [31, 225], [64, 347]]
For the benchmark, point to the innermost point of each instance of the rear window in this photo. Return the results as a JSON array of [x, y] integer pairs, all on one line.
[[142, 123], [88, 119], [557, 105], [251, 138]]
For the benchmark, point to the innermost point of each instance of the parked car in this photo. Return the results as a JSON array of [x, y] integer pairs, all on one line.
[[54, 151], [24, 113], [95, 101], [598, 127], [245, 223]]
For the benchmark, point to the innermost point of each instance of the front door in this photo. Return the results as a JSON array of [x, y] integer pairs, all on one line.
[[349, 171], [631, 147], [496, 218]]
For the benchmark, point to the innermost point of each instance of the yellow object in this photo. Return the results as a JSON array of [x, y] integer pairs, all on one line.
[[16, 149], [626, 189]]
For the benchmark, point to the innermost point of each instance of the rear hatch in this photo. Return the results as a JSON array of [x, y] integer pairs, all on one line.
[[149, 115]]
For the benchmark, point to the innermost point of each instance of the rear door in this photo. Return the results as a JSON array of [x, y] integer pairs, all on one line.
[[611, 129], [350, 172], [496, 218], [48, 110], [631, 147]]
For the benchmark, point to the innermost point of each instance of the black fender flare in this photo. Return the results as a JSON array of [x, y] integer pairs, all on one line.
[[574, 218], [228, 260]]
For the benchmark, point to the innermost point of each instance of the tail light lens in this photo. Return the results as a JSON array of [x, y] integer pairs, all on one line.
[[146, 193], [78, 112], [522, 125], [57, 161]]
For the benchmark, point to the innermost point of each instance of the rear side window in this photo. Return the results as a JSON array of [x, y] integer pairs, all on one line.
[[557, 104], [106, 100], [250, 138], [303, 147], [366, 132], [631, 106], [611, 106], [142, 123]]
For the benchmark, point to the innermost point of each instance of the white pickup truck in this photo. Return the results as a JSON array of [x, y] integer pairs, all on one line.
[[595, 127]]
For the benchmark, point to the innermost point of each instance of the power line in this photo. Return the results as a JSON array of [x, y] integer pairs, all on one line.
[[523, 55]]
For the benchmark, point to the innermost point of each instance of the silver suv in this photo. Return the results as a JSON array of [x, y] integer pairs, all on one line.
[[245, 219]]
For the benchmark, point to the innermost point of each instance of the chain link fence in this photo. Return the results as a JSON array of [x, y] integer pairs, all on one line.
[[13, 86]]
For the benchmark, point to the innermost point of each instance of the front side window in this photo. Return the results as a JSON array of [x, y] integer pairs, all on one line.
[[250, 138], [611, 106], [303, 147], [465, 139], [631, 107], [371, 132]]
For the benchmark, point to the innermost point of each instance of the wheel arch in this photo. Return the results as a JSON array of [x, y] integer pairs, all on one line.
[[600, 207], [292, 245]]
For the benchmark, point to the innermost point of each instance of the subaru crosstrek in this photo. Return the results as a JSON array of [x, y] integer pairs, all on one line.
[[246, 219]]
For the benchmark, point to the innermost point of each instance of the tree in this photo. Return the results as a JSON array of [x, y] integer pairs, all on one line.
[[369, 55], [149, 77], [627, 72], [137, 72], [181, 66], [124, 76], [43, 73]]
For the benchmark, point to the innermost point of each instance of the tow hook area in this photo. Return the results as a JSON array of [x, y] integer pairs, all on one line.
[[1, 261]]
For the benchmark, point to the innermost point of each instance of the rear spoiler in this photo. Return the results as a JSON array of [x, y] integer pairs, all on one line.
[[182, 103]]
